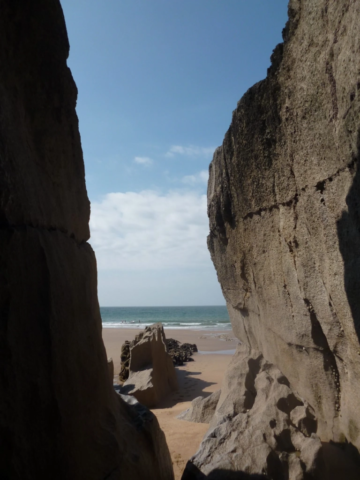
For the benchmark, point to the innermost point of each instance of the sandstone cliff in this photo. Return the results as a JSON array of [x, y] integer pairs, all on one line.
[[59, 415], [283, 203], [284, 212]]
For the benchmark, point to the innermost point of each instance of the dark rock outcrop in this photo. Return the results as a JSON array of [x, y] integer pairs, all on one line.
[[180, 352], [283, 203], [152, 375], [59, 415], [124, 362], [193, 473]]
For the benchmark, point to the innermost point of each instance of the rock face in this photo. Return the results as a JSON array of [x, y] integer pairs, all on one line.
[[111, 369], [201, 409], [152, 375], [180, 352], [125, 358], [193, 473], [262, 426], [283, 203], [59, 415]]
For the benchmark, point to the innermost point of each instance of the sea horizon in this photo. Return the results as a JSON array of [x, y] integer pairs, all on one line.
[[199, 317]]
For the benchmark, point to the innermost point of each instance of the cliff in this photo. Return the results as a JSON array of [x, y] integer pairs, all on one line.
[[59, 415], [283, 204]]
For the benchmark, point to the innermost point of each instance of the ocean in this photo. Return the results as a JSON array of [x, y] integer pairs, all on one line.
[[196, 318]]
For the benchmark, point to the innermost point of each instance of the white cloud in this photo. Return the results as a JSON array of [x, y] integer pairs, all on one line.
[[166, 287], [148, 231], [143, 160], [196, 179], [190, 151]]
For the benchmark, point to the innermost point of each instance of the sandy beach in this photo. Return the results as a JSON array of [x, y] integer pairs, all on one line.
[[200, 377]]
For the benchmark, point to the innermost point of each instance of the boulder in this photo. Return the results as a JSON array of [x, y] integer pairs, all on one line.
[[152, 375], [284, 209], [124, 362], [60, 417], [262, 426], [180, 352], [201, 409]]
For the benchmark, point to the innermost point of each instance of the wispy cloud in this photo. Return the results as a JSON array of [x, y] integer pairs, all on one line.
[[143, 161], [190, 151], [149, 231], [196, 179]]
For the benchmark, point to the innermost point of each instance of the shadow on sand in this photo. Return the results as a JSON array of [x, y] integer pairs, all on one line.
[[190, 387]]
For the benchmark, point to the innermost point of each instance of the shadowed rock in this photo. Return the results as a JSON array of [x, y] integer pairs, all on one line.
[[59, 415], [111, 369], [193, 473], [261, 425], [180, 352]]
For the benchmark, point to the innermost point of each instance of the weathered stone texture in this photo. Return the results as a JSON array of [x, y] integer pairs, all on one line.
[[59, 415], [262, 426], [152, 375], [201, 409], [283, 203]]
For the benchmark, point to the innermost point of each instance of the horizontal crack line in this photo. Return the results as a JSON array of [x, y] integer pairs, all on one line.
[[319, 186], [9, 227]]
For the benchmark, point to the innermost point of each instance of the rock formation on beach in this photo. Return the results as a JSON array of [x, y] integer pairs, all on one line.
[[283, 204], [59, 415], [152, 374], [202, 409], [180, 352], [258, 424]]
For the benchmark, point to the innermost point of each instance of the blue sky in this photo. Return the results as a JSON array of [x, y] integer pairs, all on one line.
[[158, 81]]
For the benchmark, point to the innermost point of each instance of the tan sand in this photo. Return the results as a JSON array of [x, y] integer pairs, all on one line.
[[200, 377], [206, 340]]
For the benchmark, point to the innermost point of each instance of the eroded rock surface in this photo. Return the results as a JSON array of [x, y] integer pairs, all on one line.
[[180, 352], [125, 358], [201, 409], [59, 415], [262, 426], [283, 203], [152, 374]]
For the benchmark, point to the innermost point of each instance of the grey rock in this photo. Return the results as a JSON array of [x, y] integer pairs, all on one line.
[[283, 203], [152, 374], [201, 409], [264, 435]]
